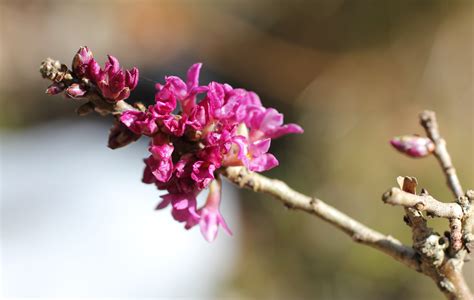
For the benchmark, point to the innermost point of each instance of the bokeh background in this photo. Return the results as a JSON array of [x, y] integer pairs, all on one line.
[[76, 221]]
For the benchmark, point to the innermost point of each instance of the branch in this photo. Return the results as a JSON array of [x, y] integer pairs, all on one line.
[[293, 199], [428, 121], [396, 196]]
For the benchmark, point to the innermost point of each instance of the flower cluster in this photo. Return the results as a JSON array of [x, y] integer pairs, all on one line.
[[113, 83], [194, 130], [191, 140]]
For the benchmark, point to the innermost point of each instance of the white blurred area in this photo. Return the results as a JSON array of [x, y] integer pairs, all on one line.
[[77, 221]]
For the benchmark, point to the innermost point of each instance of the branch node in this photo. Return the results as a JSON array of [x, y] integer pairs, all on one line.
[[470, 195]]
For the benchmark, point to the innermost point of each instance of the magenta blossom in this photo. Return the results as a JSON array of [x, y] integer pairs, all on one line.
[[160, 163], [413, 145], [192, 140], [183, 208], [210, 216], [140, 122]]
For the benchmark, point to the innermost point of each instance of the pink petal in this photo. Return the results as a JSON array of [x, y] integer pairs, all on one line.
[[193, 75], [131, 78], [224, 225], [259, 147], [209, 227], [271, 119], [113, 63], [284, 130], [263, 163]]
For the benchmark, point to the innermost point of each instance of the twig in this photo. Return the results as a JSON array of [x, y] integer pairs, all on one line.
[[414, 218], [429, 122], [293, 199], [396, 196]]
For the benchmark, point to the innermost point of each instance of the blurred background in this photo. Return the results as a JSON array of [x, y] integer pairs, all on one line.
[[77, 221]]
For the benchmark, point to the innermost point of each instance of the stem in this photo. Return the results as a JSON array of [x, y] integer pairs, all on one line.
[[396, 196], [293, 199], [429, 122]]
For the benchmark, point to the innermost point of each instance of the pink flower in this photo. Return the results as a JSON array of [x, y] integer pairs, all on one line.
[[183, 208], [160, 163], [139, 122], [252, 155], [413, 145], [167, 95], [203, 173], [174, 124], [55, 88], [210, 216], [269, 123], [193, 88], [175, 90]]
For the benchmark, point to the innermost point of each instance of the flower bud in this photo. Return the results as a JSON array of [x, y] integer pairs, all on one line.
[[75, 91], [55, 89], [413, 145], [114, 83], [80, 62]]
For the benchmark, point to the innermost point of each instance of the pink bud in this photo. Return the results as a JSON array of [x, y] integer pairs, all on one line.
[[55, 88], [75, 91], [413, 145], [131, 78], [81, 60]]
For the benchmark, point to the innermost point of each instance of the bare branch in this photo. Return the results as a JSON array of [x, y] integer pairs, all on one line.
[[293, 199], [413, 217], [396, 196], [429, 122]]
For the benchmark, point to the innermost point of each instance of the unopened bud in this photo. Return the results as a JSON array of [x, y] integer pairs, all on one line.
[[413, 146], [81, 60], [55, 89], [75, 91]]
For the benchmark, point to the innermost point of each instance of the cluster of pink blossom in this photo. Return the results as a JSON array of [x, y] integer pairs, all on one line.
[[228, 127], [190, 139], [114, 83]]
